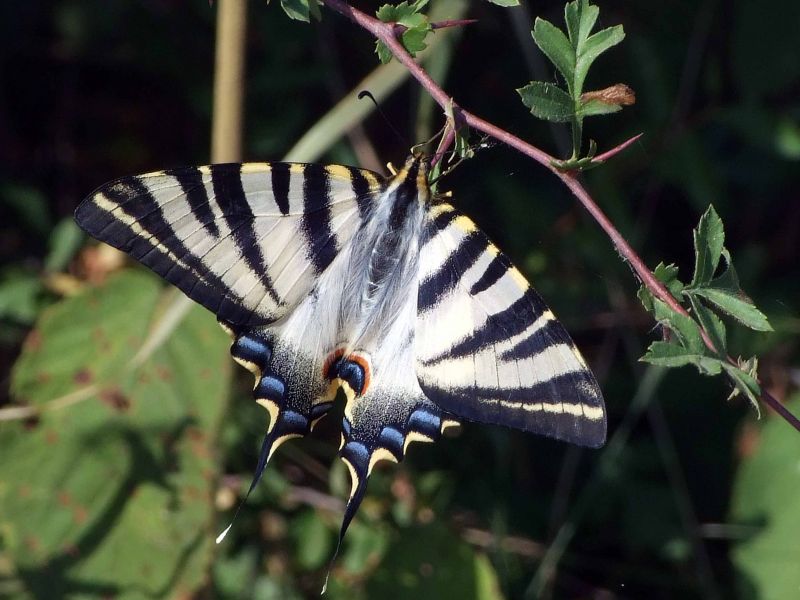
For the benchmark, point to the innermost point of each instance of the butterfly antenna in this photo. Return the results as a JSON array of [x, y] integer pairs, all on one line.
[[367, 94], [263, 458]]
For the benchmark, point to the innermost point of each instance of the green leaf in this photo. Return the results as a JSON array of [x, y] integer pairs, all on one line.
[[301, 10], [547, 101], [668, 275], [737, 305], [745, 383], [594, 46], [64, 242], [383, 52], [684, 327], [729, 279], [505, 2], [764, 506], [20, 296], [580, 17], [712, 324], [431, 562], [556, 47], [597, 107], [709, 241], [667, 354], [417, 27], [123, 462]]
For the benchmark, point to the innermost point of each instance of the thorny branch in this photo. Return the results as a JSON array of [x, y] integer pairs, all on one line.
[[388, 34]]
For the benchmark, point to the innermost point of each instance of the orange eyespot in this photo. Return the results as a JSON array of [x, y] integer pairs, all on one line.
[[354, 369]]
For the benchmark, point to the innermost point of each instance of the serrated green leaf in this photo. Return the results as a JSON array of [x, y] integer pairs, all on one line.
[[745, 384], [738, 306], [668, 275], [580, 17], [397, 13], [709, 241], [416, 24], [505, 2], [388, 13], [597, 107], [547, 101], [301, 10], [729, 279], [594, 46], [125, 468], [556, 47], [712, 324], [667, 354], [682, 326], [645, 297], [414, 40], [383, 52]]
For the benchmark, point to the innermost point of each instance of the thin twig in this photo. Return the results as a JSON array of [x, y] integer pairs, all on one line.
[[387, 33]]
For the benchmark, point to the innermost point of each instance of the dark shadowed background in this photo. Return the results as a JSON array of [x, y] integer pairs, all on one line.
[[145, 443]]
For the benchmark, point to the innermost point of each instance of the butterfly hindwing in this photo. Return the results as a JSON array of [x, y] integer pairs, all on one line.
[[488, 348], [247, 241]]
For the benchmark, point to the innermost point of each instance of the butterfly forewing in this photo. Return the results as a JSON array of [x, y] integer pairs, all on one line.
[[247, 241]]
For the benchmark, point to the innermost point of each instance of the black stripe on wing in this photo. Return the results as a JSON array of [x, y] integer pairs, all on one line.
[[577, 418], [168, 256], [280, 186], [191, 183], [226, 180], [317, 218], [443, 281], [498, 327]]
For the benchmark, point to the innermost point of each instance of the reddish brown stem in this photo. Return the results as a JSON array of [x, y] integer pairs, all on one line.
[[387, 33], [601, 158], [452, 23]]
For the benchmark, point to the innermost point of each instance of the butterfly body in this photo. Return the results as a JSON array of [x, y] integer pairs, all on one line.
[[330, 277]]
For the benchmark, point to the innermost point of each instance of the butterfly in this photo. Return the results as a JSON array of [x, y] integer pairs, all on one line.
[[333, 278]]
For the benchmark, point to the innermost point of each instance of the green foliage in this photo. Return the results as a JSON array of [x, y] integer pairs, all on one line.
[[301, 10], [704, 292], [432, 563], [416, 26], [572, 54], [114, 479], [766, 510]]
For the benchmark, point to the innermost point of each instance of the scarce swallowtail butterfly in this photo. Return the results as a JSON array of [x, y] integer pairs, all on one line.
[[331, 277]]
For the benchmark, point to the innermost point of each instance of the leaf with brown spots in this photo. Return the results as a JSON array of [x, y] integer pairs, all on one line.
[[115, 477]]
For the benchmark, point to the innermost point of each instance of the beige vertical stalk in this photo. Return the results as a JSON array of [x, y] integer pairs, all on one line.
[[226, 120]]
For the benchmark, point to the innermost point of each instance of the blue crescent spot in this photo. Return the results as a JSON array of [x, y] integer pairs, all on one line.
[[425, 422], [393, 440], [271, 388], [252, 349]]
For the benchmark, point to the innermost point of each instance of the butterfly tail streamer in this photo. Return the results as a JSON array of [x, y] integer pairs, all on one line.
[[291, 414]]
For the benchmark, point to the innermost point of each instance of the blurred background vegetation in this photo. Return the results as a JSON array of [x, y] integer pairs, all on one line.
[[148, 435]]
